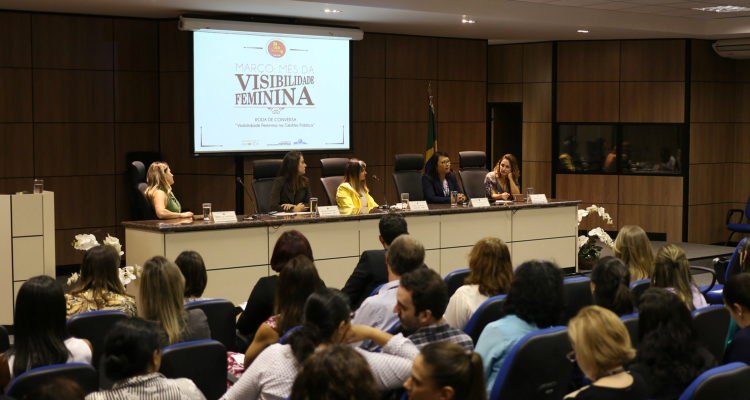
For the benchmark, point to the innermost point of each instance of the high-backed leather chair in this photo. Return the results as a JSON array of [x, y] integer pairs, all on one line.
[[137, 178], [472, 172], [333, 175], [407, 174], [136, 175], [264, 172]]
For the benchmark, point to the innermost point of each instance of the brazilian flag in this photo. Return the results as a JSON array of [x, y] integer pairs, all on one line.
[[431, 139]]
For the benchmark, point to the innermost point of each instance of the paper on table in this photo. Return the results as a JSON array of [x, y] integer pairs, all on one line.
[[291, 213]]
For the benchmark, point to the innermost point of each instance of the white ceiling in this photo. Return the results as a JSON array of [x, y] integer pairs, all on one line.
[[499, 21]]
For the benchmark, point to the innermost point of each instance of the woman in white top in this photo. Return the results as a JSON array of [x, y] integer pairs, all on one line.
[[41, 338], [491, 274], [672, 272], [327, 322]]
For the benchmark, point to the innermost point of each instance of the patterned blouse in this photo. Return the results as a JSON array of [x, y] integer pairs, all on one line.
[[85, 301], [153, 386], [491, 185], [271, 321]]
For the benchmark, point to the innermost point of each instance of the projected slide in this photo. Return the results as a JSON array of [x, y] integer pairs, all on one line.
[[260, 93]]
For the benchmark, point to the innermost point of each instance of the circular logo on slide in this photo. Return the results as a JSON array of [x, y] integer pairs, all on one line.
[[276, 48]]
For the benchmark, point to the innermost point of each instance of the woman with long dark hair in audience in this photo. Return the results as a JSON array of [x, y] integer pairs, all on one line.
[[602, 346], [193, 270], [162, 300], [504, 181], [634, 249], [535, 301], [335, 373], [261, 302], [132, 356], [609, 286], [327, 323], [446, 371], [100, 286], [159, 192], [440, 181], [672, 272], [743, 251], [670, 355], [491, 274], [291, 189], [353, 191], [737, 300], [297, 281], [41, 338]]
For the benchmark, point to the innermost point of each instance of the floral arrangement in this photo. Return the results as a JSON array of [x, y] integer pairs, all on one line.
[[587, 244], [86, 241]]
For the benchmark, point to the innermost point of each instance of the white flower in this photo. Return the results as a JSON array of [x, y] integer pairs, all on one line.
[[85, 242], [114, 242], [592, 208], [126, 275], [581, 214], [73, 279], [582, 240]]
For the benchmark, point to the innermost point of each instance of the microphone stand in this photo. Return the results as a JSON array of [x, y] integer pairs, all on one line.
[[249, 216], [382, 190]]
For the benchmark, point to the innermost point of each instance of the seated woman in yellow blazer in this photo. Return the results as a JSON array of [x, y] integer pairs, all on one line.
[[353, 192]]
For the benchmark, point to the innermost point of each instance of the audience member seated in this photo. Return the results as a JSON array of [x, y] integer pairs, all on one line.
[[404, 255], [672, 272], [670, 355], [422, 297], [327, 323], [159, 192], [297, 281], [260, 304], [737, 300], [535, 301], [742, 253], [132, 357], [100, 286], [193, 270], [40, 335], [610, 278], [353, 191], [291, 189], [440, 181], [56, 389], [634, 249], [162, 300], [371, 270], [602, 346], [335, 373], [446, 371], [491, 274], [503, 182]]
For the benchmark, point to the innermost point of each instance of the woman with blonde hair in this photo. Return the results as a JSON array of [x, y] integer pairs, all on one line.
[[601, 346], [162, 301], [159, 192], [491, 274], [353, 191], [444, 370], [672, 272], [504, 180], [634, 249], [100, 288]]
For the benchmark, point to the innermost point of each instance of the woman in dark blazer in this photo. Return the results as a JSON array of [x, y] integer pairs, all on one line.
[[439, 181], [291, 189]]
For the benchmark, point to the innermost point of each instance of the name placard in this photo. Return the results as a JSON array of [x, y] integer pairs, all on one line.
[[418, 206], [329, 211], [538, 199], [224, 216], [480, 202]]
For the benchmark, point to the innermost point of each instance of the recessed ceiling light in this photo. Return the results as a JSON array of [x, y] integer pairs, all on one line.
[[328, 10], [582, 31], [468, 21], [723, 9]]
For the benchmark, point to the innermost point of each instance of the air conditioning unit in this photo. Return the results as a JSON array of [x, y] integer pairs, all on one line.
[[733, 48]]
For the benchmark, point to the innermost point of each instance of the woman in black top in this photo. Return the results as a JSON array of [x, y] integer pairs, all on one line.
[[737, 299], [439, 181], [291, 189]]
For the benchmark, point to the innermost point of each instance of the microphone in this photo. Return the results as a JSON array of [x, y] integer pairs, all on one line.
[[385, 200], [249, 217]]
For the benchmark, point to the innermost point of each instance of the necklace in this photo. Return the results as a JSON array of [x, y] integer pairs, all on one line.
[[615, 372]]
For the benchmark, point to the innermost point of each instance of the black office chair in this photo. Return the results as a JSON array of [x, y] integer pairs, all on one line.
[[407, 174], [137, 175], [455, 279], [739, 226], [638, 287], [490, 311], [577, 296], [221, 315], [715, 295], [4, 340], [83, 374], [725, 382], [472, 172], [264, 172], [332, 176], [631, 324], [711, 325], [204, 362], [537, 367]]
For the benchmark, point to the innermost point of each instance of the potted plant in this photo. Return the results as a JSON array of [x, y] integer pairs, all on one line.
[[589, 250]]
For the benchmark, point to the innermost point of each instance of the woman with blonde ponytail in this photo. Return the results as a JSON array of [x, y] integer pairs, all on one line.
[[672, 272], [445, 370]]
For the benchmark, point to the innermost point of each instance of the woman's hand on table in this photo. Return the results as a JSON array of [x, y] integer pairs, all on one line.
[[298, 208], [187, 214]]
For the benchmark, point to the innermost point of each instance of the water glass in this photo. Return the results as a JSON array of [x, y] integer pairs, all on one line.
[[38, 186], [405, 200], [313, 206], [454, 198], [206, 211], [529, 192]]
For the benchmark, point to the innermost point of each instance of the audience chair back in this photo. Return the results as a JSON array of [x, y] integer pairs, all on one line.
[[4, 340], [221, 316], [537, 367], [472, 172], [83, 374], [725, 382], [375, 291], [638, 287], [456, 279], [264, 172], [490, 311], [577, 296], [94, 326], [281, 339], [739, 226], [715, 296], [631, 324], [332, 170], [143, 209], [203, 361], [712, 324], [407, 174]]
